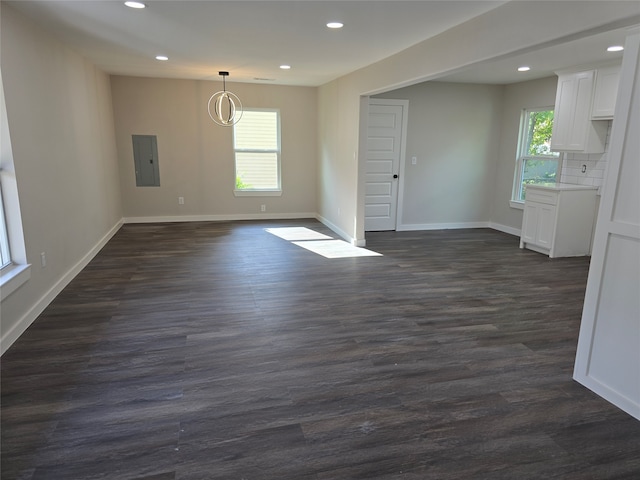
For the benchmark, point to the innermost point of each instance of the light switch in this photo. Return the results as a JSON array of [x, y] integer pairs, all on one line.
[[414, 160]]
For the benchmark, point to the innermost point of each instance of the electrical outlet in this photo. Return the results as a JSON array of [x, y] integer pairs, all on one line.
[[263, 208], [43, 260], [180, 200]]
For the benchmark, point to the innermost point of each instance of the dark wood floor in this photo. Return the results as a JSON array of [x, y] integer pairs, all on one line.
[[218, 351]]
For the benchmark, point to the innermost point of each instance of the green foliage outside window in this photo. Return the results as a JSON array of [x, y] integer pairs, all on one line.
[[540, 126], [538, 164], [240, 184]]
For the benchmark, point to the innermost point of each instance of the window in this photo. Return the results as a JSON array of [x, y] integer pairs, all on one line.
[[256, 142], [5, 256], [536, 162], [14, 269]]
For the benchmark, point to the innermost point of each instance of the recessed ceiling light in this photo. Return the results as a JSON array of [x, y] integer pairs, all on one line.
[[335, 25], [524, 68], [135, 4], [162, 58], [285, 67], [615, 48]]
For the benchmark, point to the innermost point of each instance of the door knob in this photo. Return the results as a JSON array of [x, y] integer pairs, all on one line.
[[395, 176]]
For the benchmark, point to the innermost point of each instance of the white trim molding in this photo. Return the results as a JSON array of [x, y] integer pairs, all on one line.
[[12, 278], [608, 352], [218, 218], [441, 226], [506, 229], [28, 318], [353, 241], [257, 193]]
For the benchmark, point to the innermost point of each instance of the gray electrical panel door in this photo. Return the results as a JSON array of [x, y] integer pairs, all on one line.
[[145, 157]]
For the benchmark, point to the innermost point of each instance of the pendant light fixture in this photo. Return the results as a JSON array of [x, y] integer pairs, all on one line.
[[225, 108]]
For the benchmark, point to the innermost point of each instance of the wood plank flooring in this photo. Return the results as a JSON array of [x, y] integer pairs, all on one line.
[[218, 351]]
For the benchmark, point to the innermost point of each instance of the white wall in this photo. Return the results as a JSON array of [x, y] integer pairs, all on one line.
[[511, 28], [454, 131], [517, 96], [196, 155], [338, 137], [466, 140], [61, 125]]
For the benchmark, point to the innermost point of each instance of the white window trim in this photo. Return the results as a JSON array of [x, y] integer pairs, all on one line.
[[18, 272], [5, 251], [258, 192], [522, 140], [12, 277]]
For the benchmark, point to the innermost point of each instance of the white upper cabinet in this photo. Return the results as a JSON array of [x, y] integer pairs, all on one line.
[[573, 129], [605, 93]]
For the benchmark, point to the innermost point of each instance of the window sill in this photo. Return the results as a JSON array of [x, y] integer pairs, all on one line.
[[516, 204], [12, 278], [257, 193]]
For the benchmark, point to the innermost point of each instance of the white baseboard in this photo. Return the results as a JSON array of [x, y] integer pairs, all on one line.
[[218, 218], [441, 226], [28, 318], [628, 405], [259, 216], [460, 225], [321, 219], [353, 241], [505, 229]]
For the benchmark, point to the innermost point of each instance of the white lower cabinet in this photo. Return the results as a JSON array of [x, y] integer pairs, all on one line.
[[540, 225], [558, 219]]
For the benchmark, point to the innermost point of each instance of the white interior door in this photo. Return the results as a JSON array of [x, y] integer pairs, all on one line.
[[382, 169]]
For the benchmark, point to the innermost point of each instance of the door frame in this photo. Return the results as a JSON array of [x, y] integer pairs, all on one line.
[[362, 158]]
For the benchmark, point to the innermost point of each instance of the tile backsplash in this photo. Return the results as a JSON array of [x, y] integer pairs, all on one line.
[[585, 169]]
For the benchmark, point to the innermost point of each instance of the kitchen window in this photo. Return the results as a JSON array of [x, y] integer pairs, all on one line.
[[256, 143], [536, 163]]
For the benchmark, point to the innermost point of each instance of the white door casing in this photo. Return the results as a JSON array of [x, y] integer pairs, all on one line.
[[383, 167], [608, 354]]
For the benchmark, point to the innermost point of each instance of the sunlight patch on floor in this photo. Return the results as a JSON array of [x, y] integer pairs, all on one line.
[[336, 249], [297, 233], [320, 244]]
